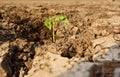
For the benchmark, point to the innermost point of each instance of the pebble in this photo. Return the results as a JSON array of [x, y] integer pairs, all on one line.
[[24, 58]]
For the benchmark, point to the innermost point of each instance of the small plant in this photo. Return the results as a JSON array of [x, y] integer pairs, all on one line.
[[51, 22]]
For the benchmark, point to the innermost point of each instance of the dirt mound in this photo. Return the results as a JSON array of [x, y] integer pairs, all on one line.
[[24, 28]]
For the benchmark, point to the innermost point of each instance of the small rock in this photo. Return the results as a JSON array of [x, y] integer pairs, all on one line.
[[42, 66], [25, 58]]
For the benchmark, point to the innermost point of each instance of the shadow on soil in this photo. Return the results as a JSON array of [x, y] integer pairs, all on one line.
[[15, 59], [25, 28]]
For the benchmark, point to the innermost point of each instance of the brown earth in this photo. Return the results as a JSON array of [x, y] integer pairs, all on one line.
[[26, 47]]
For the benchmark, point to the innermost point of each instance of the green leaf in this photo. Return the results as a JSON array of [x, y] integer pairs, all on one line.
[[48, 23], [65, 20], [61, 18]]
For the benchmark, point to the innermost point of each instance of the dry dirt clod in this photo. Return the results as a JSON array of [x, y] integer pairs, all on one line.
[[52, 49], [88, 53], [116, 29], [99, 41], [5, 25], [26, 48], [38, 51], [99, 54], [71, 38], [11, 25], [104, 33], [28, 64], [21, 73], [19, 42], [75, 29], [97, 48], [25, 58], [116, 37]]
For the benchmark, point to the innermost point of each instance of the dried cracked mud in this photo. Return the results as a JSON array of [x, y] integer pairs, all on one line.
[[26, 48]]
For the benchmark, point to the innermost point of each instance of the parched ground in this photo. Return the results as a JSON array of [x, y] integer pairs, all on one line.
[[26, 47]]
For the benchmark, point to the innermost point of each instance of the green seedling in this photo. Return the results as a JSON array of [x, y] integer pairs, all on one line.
[[51, 22]]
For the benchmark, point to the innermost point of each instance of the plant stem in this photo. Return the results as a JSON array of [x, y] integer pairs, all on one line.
[[53, 35]]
